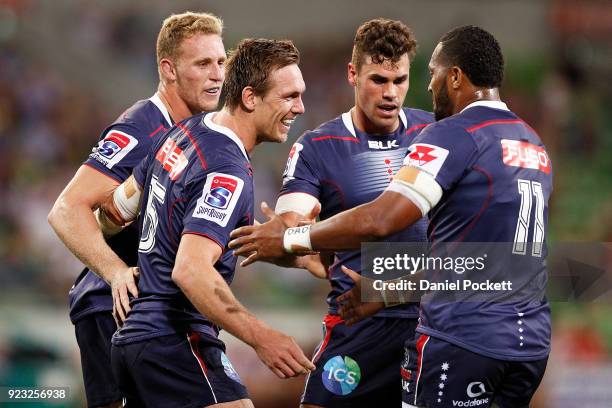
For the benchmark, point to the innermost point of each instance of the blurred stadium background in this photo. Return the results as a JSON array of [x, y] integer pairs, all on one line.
[[68, 68]]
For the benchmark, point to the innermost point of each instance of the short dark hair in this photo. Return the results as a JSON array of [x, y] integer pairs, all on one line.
[[251, 63], [383, 40], [477, 53]]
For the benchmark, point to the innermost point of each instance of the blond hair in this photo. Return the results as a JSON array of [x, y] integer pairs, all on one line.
[[178, 27]]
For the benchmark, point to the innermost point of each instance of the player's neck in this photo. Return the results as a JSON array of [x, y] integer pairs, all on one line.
[[363, 124], [475, 94], [177, 108], [237, 123]]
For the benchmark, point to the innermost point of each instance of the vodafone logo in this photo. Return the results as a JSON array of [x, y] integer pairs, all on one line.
[[475, 389], [426, 157]]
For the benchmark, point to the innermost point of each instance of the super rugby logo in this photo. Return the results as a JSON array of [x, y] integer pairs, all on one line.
[[341, 375], [222, 191], [219, 198], [426, 157], [113, 148]]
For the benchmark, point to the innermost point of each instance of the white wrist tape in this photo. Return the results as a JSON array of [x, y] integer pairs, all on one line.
[[420, 188], [297, 239], [127, 199], [300, 203]]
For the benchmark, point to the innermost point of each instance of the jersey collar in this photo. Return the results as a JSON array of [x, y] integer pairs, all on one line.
[[347, 119], [488, 104], [162, 108], [226, 131]]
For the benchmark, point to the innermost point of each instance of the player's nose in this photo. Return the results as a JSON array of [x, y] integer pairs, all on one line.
[[298, 106]]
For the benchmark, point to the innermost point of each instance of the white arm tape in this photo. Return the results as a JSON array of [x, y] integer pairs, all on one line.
[[424, 192], [297, 239], [301, 203], [127, 206]]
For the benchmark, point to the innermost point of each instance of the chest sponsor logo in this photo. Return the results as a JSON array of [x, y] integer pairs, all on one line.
[[294, 155], [426, 157], [172, 158], [341, 375], [526, 155], [113, 148], [380, 145], [219, 198]]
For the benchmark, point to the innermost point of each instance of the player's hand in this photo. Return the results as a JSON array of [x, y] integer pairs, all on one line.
[[352, 308], [263, 242], [282, 355], [123, 282]]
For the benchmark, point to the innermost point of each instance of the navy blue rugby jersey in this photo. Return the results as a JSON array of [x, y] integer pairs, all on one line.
[[121, 147], [496, 179], [343, 167], [197, 180]]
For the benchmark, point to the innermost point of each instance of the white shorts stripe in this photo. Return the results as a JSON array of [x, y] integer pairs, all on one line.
[[202, 368], [416, 386]]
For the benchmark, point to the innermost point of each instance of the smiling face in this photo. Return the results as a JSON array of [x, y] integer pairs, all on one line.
[[276, 110], [380, 90], [442, 105], [200, 71]]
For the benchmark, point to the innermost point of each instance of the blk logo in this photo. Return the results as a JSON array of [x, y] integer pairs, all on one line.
[[341, 375], [380, 145]]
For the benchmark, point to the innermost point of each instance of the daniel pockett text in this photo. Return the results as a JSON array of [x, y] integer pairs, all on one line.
[[448, 272]]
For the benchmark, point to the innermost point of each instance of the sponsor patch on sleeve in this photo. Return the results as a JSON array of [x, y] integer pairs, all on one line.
[[294, 155], [172, 158], [426, 157], [114, 147], [219, 198], [526, 155]]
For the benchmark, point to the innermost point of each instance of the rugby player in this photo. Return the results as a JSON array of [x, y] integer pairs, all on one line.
[[190, 58], [196, 185], [346, 162], [483, 175]]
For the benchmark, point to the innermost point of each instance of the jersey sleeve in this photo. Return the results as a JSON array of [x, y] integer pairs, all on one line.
[[443, 152], [121, 148], [217, 203], [302, 172]]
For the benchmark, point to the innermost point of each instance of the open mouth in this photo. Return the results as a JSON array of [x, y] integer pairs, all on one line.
[[387, 107], [287, 122], [212, 91]]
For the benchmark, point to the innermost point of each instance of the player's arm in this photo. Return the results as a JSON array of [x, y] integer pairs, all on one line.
[[73, 220], [195, 274], [411, 194]]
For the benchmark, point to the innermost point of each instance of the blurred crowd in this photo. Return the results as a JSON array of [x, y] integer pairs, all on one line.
[[49, 121]]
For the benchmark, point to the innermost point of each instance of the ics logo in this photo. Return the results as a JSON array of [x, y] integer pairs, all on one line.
[[341, 375], [229, 369], [112, 144], [221, 191]]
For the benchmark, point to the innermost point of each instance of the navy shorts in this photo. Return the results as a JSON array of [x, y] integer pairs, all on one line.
[[436, 373], [358, 366], [93, 334], [189, 370]]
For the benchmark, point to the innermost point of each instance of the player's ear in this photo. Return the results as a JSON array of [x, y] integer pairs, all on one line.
[[248, 98], [352, 74], [456, 77], [167, 69]]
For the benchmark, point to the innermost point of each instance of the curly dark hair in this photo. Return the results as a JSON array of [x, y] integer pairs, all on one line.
[[476, 52], [251, 63], [383, 40]]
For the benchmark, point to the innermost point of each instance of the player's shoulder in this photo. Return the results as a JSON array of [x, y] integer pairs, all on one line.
[[144, 117], [417, 117], [337, 129]]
